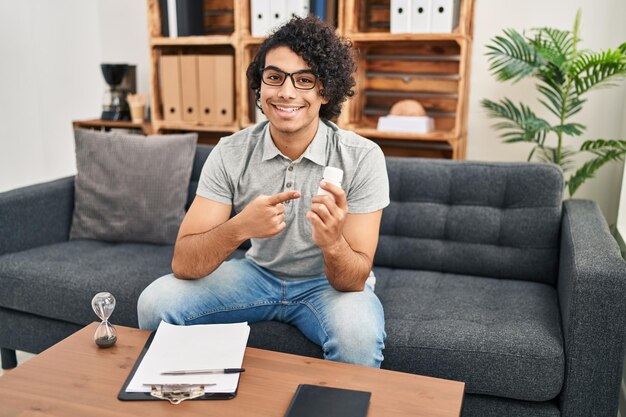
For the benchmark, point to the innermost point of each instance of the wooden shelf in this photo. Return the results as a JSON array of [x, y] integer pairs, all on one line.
[[194, 127], [372, 133], [145, 127], [432, 68], [194, 40], [394, 37]]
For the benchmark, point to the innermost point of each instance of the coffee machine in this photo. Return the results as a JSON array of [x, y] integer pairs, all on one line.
[[121, 80]]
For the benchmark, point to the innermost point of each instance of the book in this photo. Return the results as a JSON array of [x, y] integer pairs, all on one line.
[[165, 27], [182, 18], [190, 17], [318, 8]]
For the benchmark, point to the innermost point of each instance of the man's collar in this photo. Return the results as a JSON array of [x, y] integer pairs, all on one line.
[[316, 151]]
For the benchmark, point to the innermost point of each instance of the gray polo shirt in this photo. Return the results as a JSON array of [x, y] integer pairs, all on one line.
[[247, 164]]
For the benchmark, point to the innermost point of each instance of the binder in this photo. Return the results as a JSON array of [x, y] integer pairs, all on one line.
[[259, 17], [165, 31], [224, 86], [170, 87], [318, 8], [176, 393], [189, 87], [278, 14], [400, 16], [190, 17], [420, 16], [444, 15], [172, 20], [297, 8], [216, 89], [206, 91]]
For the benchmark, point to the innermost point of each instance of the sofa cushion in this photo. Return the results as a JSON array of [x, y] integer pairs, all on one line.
[[485, 219], [501, 337], [131, 188], [58, 281]]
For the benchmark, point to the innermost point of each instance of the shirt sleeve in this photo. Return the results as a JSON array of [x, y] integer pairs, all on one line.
[[369, 189], [215, 184]]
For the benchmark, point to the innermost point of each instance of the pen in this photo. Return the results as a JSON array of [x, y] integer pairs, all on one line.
[[206, 371]]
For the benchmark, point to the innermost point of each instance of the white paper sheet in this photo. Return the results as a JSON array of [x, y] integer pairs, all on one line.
[[203, 346]]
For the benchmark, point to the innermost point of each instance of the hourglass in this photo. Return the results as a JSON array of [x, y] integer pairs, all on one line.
[[103, 304]]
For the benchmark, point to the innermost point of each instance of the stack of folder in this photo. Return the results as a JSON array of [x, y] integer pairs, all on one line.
[[267, 15], [198, 88], [424, 16]]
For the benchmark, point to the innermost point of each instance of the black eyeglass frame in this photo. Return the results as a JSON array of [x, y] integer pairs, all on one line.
[[290, 75]]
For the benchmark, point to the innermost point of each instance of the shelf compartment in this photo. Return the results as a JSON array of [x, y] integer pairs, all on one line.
[[374, 16], [426, 71], [158, 99], [219, 19]]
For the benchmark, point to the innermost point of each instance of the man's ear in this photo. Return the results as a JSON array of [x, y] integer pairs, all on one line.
[[324, 99]]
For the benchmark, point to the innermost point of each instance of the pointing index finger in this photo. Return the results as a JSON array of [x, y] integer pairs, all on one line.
[[282, 197]]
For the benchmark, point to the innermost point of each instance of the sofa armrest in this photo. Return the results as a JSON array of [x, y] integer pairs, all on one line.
[[36, 215], [592, 299]]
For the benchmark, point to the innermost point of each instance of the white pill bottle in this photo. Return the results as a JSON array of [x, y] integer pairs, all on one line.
[[333, 176]]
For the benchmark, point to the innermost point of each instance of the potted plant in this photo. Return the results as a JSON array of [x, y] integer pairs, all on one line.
[[565, 74]]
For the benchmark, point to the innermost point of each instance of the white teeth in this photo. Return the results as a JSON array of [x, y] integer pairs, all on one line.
[[288, 109]]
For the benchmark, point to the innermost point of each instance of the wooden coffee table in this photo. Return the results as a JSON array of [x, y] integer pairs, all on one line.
[[75, 378]]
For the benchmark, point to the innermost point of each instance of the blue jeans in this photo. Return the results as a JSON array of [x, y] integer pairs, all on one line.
[[349, 326]]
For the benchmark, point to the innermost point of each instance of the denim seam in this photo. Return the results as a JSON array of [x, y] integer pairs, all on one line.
[[241, 307], [317, 316]]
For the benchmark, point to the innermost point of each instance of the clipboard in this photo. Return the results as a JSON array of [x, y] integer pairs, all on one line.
[[175, 394]]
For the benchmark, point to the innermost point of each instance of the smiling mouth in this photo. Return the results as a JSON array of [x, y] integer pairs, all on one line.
[[287, 109]]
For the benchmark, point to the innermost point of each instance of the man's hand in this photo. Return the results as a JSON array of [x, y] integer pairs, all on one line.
[[328, 216], [265, 215]]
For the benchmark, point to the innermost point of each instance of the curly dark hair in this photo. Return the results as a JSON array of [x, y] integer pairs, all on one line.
[[330, 57]]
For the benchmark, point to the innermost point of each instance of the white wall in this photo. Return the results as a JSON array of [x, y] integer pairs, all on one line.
[[56, 48], [47, 78], [123, 36], [50, 75], [602, 27]]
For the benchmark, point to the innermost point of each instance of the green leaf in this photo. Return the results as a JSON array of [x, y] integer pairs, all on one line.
[[571, 129], [589, 168], [573, 106], [511, 57], [600, 146], [554, 101], [550, 154], [594, 69], [520, 123], [554, 45]]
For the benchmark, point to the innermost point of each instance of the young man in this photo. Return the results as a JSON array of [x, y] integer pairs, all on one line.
[[311, 256]]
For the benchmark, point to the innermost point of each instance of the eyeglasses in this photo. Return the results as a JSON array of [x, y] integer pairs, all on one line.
[[275, 77]]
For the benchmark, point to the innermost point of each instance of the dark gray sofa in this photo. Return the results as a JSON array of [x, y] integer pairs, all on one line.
[[486, 276]]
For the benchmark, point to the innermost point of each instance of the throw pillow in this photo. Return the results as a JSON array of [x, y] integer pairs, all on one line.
[[131, 188]]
